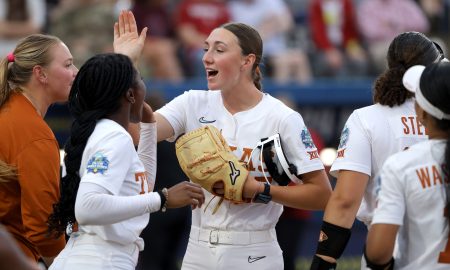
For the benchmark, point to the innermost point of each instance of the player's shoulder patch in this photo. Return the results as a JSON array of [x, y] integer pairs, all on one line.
[[98, 163], [307, 139], [345, 134]]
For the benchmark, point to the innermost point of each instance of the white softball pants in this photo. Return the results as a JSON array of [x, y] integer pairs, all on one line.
[[225, 250], [89, 252]]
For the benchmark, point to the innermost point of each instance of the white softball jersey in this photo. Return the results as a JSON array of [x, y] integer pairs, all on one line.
[[242, 131], [110, 161], [369, 137], [413, 196]]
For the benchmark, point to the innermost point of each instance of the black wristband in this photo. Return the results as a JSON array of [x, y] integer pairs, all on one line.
[[333, 240], [371, 265], [320, 264], [163, 199]]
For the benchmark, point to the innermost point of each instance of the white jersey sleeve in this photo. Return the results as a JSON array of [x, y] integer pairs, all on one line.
[[147, 151], [413, 196], [298, 145], [95, 206], [176, 112], [354, 151], [108, 164], [391, 200]]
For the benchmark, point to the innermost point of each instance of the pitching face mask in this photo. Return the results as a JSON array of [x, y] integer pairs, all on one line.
[[280, 169]]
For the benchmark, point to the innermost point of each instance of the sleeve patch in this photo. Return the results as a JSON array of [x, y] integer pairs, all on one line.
[[344, 137], [307, 139], [98, 163]]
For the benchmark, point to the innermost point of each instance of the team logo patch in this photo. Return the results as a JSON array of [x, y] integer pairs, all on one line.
[[344, 137], [306, 139], [322, 237], [98, 163]]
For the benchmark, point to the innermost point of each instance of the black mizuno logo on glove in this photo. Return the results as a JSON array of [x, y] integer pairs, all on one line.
[[234, 172]]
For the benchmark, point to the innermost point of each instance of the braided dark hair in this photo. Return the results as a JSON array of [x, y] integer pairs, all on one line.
[[406, 50], [96, 92]]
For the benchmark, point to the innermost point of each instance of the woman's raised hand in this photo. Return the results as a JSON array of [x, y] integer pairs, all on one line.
[[127, 40]]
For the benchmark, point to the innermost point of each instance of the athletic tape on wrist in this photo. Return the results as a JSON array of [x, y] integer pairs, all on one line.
[[333, 240]]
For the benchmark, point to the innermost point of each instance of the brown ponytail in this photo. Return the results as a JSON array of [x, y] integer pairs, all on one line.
[[389, 89], [406, 50], [5, 88], [7, 173], [257, 77]]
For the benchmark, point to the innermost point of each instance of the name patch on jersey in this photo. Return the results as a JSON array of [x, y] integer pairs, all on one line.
[[98, 163]]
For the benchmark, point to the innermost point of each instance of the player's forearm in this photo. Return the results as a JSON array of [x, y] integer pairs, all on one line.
[[380, 242], [312, 195], [341, 211]]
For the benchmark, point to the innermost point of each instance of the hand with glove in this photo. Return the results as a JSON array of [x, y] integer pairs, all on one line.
[[206, 159]]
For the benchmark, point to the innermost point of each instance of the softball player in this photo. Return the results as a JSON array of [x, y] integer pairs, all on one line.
[[242, 236], [413, 201], [114, 197], [369, 137], [37, 74]]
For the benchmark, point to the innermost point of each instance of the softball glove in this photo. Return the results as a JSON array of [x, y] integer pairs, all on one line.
[[206, 159]]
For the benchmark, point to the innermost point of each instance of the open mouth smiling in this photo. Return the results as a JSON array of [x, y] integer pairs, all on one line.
[[211, 73]]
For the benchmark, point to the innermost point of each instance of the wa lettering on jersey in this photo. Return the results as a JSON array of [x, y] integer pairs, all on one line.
[[432, 175]]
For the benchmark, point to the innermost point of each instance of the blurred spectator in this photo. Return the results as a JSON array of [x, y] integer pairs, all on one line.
[[160, 50], [438, 14], [195, 19], [382, 20], [166, 236], [19, 18], [85, 26], [273, 20], [299, 36], [339, 52]]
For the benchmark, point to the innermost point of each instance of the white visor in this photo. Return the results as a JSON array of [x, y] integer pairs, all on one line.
[[411, 81]]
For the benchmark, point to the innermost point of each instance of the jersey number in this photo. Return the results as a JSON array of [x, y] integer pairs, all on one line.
[[141, 178], [444, 256]]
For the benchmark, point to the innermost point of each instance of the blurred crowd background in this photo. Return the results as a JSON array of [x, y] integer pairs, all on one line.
[[320, 57]]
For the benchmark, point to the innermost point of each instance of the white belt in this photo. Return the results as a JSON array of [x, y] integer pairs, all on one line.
[[232, 237], [78, 238]]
